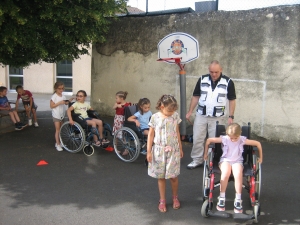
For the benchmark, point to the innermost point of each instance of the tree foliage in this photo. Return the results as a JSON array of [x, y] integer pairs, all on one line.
[[32, 31]]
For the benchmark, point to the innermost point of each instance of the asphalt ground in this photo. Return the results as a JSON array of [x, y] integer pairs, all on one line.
[[101, 189]]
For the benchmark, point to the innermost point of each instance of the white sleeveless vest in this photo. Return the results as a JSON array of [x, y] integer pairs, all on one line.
[[212, 103]]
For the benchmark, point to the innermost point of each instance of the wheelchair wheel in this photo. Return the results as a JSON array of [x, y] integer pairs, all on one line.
[[205, 208], [72, 138], [205, 181], [126, 144], [258, 177], [88, 150]]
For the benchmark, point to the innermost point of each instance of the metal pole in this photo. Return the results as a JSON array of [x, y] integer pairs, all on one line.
[[182, 101], [217, 3], [146, 6]]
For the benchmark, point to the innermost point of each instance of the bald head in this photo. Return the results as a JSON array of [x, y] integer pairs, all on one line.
[[215, 70]]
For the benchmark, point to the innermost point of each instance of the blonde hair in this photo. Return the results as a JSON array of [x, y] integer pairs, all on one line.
[[234, 129], [122, 94]]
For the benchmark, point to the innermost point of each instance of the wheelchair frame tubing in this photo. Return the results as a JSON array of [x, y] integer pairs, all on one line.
[[212, 182], [252, 186]]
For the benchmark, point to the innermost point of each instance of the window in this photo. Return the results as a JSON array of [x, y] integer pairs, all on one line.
[[64, 74], [15, 77]]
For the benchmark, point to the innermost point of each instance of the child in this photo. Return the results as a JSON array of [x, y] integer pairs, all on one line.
[[57, 104], [81, 107], [142, 117], [164, 156], [7, 110], [232, 160], [28, 103], [119, 107]]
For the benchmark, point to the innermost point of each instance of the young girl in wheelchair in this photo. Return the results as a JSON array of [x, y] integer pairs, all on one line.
[[80, 107], [232, 161], [142, 118]]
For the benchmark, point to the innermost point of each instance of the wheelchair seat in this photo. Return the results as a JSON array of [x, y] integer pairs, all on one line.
[[247, 154]]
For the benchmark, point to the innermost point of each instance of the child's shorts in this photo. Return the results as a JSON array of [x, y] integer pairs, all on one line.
[[34, 106], [6, 112], [57, 120]]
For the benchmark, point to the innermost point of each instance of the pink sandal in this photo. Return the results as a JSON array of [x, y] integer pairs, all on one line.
[[162, 206], [176, 203]]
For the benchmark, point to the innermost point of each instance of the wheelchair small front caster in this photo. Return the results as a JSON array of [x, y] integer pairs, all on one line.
[[88, 150]]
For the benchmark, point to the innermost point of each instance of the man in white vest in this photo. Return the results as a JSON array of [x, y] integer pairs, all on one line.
[[210, 96]]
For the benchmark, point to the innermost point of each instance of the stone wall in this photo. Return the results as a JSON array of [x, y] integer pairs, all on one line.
[[259, 49]]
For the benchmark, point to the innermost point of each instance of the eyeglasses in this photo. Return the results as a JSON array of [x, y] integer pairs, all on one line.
[[80, 96]]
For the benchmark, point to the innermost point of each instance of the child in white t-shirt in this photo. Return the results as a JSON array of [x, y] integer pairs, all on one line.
[[57, 104]]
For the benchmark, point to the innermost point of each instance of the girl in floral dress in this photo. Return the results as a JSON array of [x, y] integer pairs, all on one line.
[[164, 156], [119, 106]]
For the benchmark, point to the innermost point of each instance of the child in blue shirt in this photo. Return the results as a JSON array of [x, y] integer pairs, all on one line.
[[5, 109], [142, 118]]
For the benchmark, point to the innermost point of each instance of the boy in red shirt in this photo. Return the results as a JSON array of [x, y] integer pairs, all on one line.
[[28, 103]]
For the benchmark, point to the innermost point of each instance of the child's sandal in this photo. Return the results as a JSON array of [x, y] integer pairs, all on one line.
[[176, 203], [162, 206]]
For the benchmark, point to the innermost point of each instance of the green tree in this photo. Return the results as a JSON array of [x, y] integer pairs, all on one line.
[[32, 31]]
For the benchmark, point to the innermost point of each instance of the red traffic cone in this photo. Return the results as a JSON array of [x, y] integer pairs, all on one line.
[[42, 163], [109, 148]]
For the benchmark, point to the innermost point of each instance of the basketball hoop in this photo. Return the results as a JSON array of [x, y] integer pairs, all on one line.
[[173, 60]]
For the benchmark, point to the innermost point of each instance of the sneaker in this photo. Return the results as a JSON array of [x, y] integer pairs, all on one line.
[[58, 147], [143, 152], [97, 144], [221, 204], [18, 127], [238, 208], [36, 124], [105, 141], [29, 122], [194, 165], [23, 125]]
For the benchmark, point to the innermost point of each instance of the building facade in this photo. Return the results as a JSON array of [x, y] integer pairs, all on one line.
[[40, 78]]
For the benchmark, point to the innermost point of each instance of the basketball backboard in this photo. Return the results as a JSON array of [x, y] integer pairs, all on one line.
[[178, 45]]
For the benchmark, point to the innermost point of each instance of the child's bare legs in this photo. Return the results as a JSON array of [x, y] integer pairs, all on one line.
[[100, 127], [57, 129], [162, 195], [14, 116], [146, 132], [27, 111], [237, 171], [34, 114], [174, 185], [225, 168], [94, 125]]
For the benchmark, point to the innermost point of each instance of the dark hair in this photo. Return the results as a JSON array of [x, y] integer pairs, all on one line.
[[19, 87], [82, 91], [57, 84], [122, 94], [2, 88], [167, 101], [142, 101]]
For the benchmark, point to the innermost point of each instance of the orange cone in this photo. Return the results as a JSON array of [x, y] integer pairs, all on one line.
[[109, 148], [42, 163]]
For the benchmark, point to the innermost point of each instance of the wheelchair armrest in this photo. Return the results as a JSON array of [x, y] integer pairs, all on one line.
[[212, 145], [255, 148], [93, 114]]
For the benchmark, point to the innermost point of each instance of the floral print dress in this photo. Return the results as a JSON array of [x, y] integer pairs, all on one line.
[[165, 151]]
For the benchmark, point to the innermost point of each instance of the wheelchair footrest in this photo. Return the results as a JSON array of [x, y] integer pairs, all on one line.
[[242, 216], [219, 214]]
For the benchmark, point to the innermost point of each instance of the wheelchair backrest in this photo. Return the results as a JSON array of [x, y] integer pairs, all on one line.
[[130, 111], [221, 130]]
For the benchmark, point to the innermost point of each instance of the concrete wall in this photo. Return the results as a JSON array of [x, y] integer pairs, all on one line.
[[259, 49]]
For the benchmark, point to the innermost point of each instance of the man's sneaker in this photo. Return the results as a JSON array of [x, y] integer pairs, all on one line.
[[143, 152], [58, 147], [23, 125], [36, 124], [194, 165], [221, 204], [29, 122], [238, 208]]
